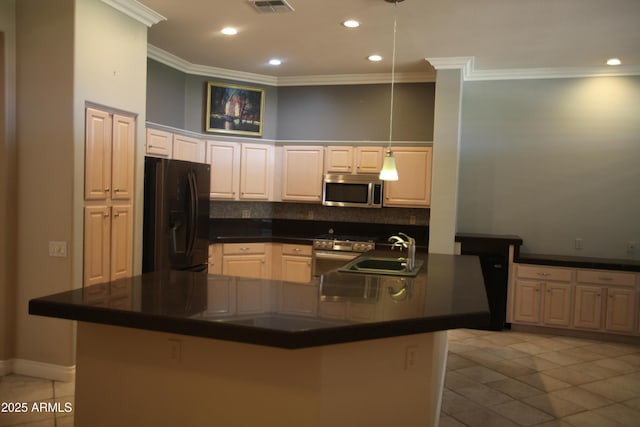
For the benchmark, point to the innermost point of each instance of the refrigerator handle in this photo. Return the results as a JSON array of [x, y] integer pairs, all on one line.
[[193, 214]]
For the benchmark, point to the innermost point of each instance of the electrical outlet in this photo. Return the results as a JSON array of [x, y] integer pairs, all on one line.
[[58, 248], [412, 219], [246, 213], [310, 215], [578, 243], [411, 357]]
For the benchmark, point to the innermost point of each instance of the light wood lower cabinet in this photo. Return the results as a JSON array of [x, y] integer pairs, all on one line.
[[296, 263], [246, 260], [108, 233], [581, 299]]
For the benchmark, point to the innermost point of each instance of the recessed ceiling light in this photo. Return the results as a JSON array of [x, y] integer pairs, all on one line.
[[613, 61], [351, 23], [275, 61], [375, 58], [229, 31]]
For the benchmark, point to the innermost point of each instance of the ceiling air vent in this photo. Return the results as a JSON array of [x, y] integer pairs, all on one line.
[[271, 6]]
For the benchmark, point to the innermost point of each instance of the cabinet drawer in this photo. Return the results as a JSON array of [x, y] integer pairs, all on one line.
[[544, 273], [244, 248], [606, 277], [301, 250]]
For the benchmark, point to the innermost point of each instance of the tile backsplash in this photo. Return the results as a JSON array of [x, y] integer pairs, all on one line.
[[306, 211]]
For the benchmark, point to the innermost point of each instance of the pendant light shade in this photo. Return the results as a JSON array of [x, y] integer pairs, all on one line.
[[389, 171]]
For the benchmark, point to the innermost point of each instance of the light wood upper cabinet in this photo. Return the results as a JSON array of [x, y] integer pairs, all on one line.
[[413, 188], [256, 172], [347, 159], [189, 149], [302, 173], [123, 137], [159, 143], [224, 158], [369, 159], [97, 171]]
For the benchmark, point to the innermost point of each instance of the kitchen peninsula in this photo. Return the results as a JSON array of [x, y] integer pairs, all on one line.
[[180, 348]]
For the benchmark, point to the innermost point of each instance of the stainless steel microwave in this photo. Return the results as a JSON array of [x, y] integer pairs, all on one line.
[[362, 191]]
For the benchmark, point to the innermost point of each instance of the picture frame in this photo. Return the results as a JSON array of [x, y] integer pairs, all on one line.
[[234, 109]]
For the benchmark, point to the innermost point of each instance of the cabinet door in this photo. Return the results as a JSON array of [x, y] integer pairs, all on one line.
[[215, 259], [369, 159], [251, 296], [189, 149], [413, 187], [97, 166], [296, 268], [339, 159], [620, 309], [224, 158], [123, 143], [97, 234], [221, 295], [121, 241], [527, 302], [245, 265], [255, 171], [159, 143], [302, 173], [557, 304], [587, 312]]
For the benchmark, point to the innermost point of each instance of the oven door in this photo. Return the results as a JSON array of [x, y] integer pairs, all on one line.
[[325, 261]]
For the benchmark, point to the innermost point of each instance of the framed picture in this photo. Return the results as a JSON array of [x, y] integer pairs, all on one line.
[[234, 109]]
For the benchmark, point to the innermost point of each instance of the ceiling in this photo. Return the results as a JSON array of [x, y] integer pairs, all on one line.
[[499, 34]]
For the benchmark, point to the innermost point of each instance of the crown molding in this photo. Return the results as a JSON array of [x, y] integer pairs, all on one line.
[[137, 11], [464, 63], [187, 67]]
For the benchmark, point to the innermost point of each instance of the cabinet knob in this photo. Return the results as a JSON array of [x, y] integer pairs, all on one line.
[[116, 190], [543, 274], [106, 189]]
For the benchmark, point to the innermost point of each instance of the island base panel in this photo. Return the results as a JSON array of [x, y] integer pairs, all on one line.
[[133, 377]]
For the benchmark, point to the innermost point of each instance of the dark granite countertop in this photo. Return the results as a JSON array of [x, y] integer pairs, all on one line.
[[580, 262], [448, 293]]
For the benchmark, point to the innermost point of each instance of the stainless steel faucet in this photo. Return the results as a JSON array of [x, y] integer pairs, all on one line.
[[409, 243]]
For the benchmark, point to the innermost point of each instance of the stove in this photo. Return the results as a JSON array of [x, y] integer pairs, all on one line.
[[331, 251]]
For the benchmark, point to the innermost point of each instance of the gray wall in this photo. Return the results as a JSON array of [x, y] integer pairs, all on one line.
[[329, 113], [553, 160], [358, 112]]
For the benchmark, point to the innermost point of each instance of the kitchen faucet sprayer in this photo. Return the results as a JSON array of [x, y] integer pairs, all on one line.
[[409, 243]]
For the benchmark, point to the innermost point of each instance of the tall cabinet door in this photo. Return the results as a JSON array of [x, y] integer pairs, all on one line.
[[123, 137], [413, 187], [121, 238], [97, 234], [224, 158], [255, 173], [302, 173], [97, 177]]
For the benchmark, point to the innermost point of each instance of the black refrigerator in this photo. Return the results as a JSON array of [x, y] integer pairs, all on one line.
[[176, 215]]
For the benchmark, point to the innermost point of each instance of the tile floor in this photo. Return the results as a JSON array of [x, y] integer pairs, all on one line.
[[493, 379]]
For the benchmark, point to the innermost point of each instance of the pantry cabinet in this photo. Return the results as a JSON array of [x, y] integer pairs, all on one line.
[[413, 187], [348, 159], [109, 188], [302, 173]]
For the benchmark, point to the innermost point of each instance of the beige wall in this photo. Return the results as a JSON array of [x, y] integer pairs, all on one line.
[[69, 52], [7, 183]]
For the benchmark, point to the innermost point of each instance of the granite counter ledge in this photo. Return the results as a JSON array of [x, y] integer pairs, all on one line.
[[220, 368]]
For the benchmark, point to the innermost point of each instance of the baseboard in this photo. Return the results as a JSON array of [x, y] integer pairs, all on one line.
[[6, 367], [44, 370]]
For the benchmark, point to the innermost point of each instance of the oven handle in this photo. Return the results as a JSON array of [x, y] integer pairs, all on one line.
[[335, 255]]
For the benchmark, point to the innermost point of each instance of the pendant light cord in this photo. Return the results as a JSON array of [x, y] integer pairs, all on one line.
[[393, 70]]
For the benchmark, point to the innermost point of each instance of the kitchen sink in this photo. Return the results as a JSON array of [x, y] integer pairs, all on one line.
[[377, 265]]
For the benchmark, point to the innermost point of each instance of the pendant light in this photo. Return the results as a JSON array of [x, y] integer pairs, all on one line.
[[389, 171]]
